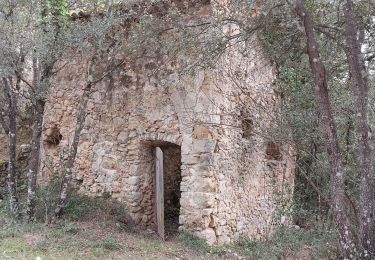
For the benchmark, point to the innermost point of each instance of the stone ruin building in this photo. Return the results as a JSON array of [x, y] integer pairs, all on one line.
[[188, 152]]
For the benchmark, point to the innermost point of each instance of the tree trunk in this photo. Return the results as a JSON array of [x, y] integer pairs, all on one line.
[[33, 168], [38, 113], [359, 81], [12, 141], [82, 111], [3, 123], [337, 185], [51, 14]]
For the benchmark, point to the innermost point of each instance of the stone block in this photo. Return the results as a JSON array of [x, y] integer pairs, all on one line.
[[202, 200], [109, 163], [224, 239], [132, 134], [134, 196], [118, 122], [208, 235], [123, 137], [189, 159], [133, 180], [202, 132], [206, 185], [203, 145]]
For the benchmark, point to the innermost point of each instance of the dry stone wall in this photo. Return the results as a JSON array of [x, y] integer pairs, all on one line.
[[219, 118]]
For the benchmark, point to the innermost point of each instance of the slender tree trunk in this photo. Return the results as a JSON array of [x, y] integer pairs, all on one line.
[[3, 122], [33, 168], [359, 80], [329, 130], [51, 12], [12, 141], [38, 113], [82, 111]]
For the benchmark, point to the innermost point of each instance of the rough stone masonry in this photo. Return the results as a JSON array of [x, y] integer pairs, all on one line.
[[223, 170]]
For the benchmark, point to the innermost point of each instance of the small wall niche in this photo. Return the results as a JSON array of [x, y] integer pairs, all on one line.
[[53, 136], [247, 128], [273, 151]]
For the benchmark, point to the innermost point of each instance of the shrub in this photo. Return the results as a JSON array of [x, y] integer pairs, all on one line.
[[42, 244], [46, 200], [79, 207], [193, 241], [70, 228], [200, 245], [82, 207], [109, 243], [286, 241]]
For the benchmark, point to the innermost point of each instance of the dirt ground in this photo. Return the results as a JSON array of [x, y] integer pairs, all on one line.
[[90, 240]]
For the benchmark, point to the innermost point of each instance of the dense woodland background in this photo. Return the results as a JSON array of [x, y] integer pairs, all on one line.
[[324, 54]]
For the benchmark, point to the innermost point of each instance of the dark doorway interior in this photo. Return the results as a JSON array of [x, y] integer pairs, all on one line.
[[172, 191]]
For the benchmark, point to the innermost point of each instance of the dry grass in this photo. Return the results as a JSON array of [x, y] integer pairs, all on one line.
[[95, 229], [93, 240], [98, 228]]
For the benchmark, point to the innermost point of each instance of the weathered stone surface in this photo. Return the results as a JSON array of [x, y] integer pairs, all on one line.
[[209, 235], [203, 145], [22, 160], [227, 184]]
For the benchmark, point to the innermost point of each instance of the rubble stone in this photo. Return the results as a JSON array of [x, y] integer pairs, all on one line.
[[227, 184]]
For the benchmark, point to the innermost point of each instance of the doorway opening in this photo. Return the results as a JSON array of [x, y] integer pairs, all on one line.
[[172, 191], [167, 188]]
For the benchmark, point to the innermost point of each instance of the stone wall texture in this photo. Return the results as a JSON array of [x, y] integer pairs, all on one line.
[[228, 186]]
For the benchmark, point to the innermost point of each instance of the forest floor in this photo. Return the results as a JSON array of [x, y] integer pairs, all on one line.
[[98, 229], [100, 240], [83, 240]]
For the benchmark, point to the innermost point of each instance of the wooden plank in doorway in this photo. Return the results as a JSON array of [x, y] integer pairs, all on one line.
[[160, 192]]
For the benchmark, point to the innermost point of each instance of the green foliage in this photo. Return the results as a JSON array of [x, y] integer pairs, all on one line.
[[200, 245], [79, 207], [91, 6], [70, 228], [42, 244], [46, 199], [193, 241], [10, 228], [315, 243], [82, 207], [284, 41], [68, 237], [109, 243], [54, 11]]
